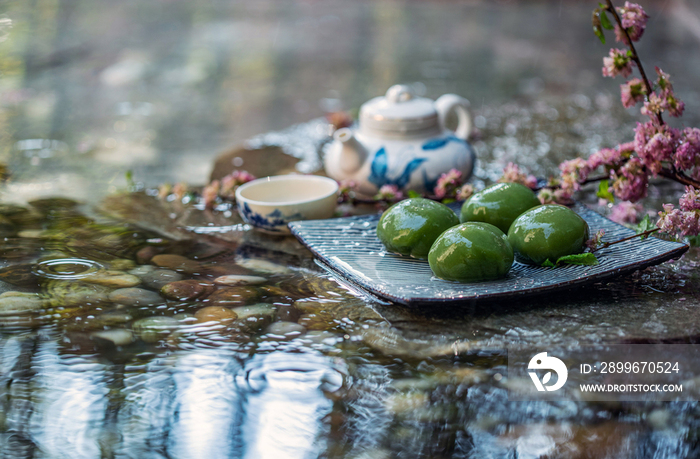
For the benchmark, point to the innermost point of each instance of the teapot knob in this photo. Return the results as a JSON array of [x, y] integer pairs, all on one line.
[[399, 93]]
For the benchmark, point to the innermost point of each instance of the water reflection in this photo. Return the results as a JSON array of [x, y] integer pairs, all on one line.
[[206, 416], [286, 408], [69, 403]]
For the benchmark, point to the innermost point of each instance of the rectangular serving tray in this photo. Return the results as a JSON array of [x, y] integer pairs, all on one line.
[[349, 248]]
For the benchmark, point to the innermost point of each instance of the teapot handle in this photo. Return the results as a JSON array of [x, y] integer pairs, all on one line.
[[448, 102]]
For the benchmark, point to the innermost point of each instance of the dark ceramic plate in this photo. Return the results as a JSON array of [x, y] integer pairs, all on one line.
[[350, 248]]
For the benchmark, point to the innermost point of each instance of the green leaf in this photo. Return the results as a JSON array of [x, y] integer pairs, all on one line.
[[585, 259], [413, 194], [604, 21], [645, 225], [548, 264], [599, 33], [597, 25], [448, 201], [604, 191]]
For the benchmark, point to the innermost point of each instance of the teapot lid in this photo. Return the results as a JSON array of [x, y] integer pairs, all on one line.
[[398, 111]]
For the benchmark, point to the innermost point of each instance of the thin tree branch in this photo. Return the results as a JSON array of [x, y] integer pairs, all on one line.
[[608, 244], [635, 56]]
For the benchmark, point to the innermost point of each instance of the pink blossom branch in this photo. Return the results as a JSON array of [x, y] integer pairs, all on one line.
[[635, 56]]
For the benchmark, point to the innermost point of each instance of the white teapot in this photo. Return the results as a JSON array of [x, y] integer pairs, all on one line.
[[402, 140]]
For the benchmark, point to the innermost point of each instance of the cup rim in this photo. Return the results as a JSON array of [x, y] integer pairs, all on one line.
[[286, 177]]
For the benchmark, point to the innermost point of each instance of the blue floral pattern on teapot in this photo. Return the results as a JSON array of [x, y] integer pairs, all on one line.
[[401, 140]]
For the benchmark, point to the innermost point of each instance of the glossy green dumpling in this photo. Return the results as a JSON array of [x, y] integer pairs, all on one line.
[[499, 205], [471, 252], [547, 233], [411, 226]]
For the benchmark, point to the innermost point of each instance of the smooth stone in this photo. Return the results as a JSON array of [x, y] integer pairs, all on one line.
[[273, 290], [185, 319], [234, 279], [159, 278], [110, 278], [322, 337], [32, 234], [234, 296], [284, 330], [146, 254], [69, 293], [216, 314], [122, 264], [176, 263], [153, 329], [287, 313], [20, 303], [142, 270], [20, 275], [114, 318], [256, 310], [134, 296], [318, 321], [263, 266], [189, 289], [261, 162], [256, 316], [49, 204], [118, 336]]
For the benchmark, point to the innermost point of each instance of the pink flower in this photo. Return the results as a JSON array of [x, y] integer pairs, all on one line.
[[626, 212], [180, 190], [677, 222], [664, 80], [632, 92], [210, 193], [448, 183], [690, 200], [610, 157], [617, 63], [347, 189], [595, 241], [688, 153], [653, 105], [512, 173], [164, 190], [573, 173], [630, 181], [674, 105], [465, 192], [388, 193], [232, 181], [634, 20], [655, 144]]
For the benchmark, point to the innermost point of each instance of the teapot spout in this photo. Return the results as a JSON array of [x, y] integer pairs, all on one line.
[[352, 154]]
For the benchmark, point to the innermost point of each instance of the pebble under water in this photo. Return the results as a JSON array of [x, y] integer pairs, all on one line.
[[120, 342]]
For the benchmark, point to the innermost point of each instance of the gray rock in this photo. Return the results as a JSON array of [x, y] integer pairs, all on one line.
[[284, 330], [157, 278], [118, 336], [17, 303], [134, 296], [156, 328], [237, 279]]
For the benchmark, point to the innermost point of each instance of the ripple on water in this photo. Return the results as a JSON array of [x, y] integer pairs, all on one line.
[[286, 403], [66, 268]]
